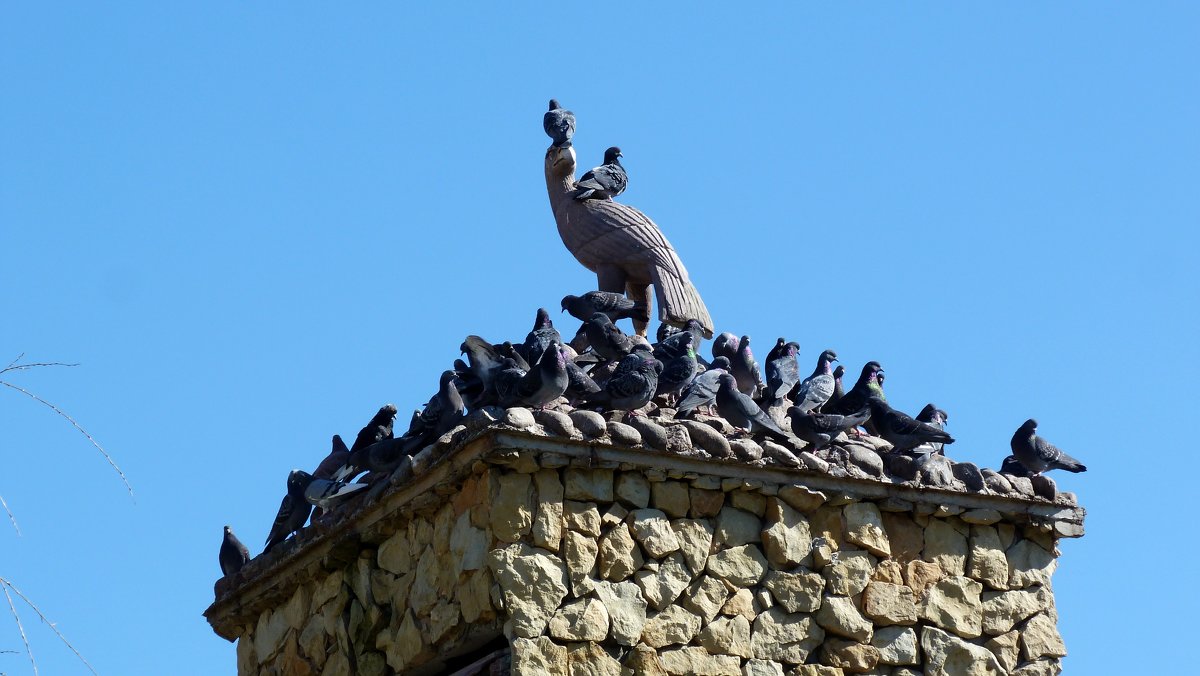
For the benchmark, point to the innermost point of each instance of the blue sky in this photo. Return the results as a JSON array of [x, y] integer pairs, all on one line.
[[253, 225]]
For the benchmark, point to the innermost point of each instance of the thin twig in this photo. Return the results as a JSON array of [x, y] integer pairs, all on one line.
[[20, 627], [16, 360], [78, 427], [10, 518], [8, 585], [22, 367]]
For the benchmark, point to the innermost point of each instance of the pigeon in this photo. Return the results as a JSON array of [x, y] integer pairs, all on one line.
[[543, 334], [856, 398], [838, 392], [606, 339], [579, 383], [678, 371], [325, 493], [703, 389], [725, 345], [507, 381], [665, 331], [559, 124], [745, 368], [233, 554], [1038, 455], [1014, 467], [672, 346], [783, 372], [509, 351], [901, 430], [546, 381], [632, 384], [605, 181], [818, 388], [937, 417], [613, 304], [818, 429], [332, 462], [483, 358], [442, 412], [378, 429], [740, 410], [293, 511]]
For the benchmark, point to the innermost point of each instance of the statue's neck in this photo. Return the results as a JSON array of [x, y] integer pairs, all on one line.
[[560, 171]]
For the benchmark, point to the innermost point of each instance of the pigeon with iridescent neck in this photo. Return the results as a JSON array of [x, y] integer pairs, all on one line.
[[817, 389], [783, 372], [546, 381], [672, 346], [742, 412], [632, 385], [559, 125], [1038, 455], [745, 368], [678, 371], [866, 387], [605, 181], [542, 334]]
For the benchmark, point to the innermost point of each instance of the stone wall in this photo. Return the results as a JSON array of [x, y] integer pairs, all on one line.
[[603, 559]]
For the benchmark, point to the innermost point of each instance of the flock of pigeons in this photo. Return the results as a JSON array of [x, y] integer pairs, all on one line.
[[602, 368]]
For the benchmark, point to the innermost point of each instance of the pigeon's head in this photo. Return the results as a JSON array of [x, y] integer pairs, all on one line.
[[744, 345], [792, 347], [795, 412], [1029, 427], [779, 343], [839, 372], [228, 530], [692, 325], [390, 409], [446, 379], [665, 331], [554, 104], [611, 155], [721, 362], [726, 381], [870, 370], [298, 480], [567, 300], [879, 377], [599, 318], [543, 319], [827, 357]]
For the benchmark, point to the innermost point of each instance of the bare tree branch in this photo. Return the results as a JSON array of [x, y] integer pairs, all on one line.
[[10, 518], [78, 427], [20, 627], [9, 585]]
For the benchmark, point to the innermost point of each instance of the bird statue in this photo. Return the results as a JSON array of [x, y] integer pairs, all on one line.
[[626, 250], [1038, 455]]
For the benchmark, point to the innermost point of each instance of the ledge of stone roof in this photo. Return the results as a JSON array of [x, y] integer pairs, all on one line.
[[525, 442]]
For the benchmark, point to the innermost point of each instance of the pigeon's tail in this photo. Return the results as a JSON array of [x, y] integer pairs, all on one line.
[[859, 418], [1070, 464], [939, 437]]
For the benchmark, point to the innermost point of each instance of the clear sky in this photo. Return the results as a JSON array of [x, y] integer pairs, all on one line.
[[253, 225]]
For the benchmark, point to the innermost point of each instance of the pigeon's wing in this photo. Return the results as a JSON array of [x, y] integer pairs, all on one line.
[[290, 518], [815, 391], [701, 392], [1055, 458], [323, 493], [580, 383]]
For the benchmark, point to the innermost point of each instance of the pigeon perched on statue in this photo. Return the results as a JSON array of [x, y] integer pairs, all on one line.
[[293, 511], [702, 391], [615, 305], [606, 339], [632, 385], [233, 554], [559, 124], [626, 250], [818, 429], [605, 181], [745, 368], [742, 412], [783, 372], [902, 431], [817, 389], [1038, 455]]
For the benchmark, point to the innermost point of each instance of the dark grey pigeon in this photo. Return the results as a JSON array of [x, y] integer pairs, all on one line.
[[293, 511], [742, 412], [547, 381], [442, 412], [632, 384], [483, 359], [606, 339], [233, 554], [783, 372], [508, 350], [542, 335], [817, 389], [559, 124], [678, 371], [703, 389], [580, 384], [838, 391], [508, 382], [605, 181], [1038, 455], [866, 387], [378, 429], [672, 346], [665, 331], [725, 345], [938, 418], [818, 429], [745, 368], [615, 305], [1014, 467], [901, 430], [335, 460]]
